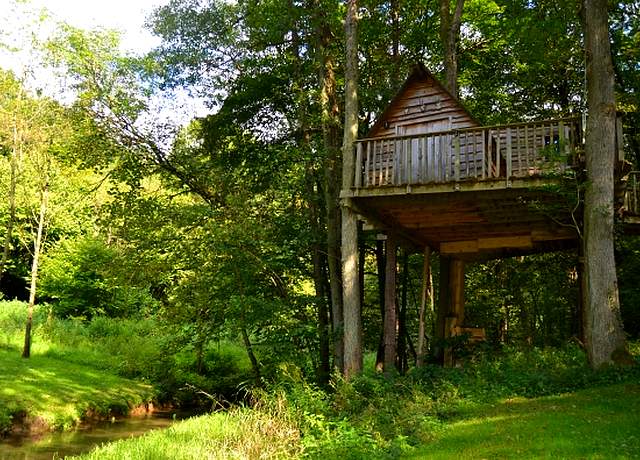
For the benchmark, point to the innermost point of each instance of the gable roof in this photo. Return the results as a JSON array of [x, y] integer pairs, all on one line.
[[420, 74]]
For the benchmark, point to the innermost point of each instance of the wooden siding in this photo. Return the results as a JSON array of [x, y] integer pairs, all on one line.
[[422, 106]]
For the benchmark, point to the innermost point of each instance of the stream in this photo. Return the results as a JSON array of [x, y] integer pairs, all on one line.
[[60, 444]]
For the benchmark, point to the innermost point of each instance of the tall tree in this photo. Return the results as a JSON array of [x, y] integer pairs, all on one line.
[[350, 280], [450, 22], [604, 334], [11, 132], [332, 168]]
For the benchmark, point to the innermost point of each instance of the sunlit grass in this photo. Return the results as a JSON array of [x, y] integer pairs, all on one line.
[[238, 434], [598, 423], [59, 392]]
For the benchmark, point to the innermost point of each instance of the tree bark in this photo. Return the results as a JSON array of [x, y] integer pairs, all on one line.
[[444, 301], [248, 346], [402, 363], [37, 246], [390, 306], [380, 264], [350, 279], [450, 36], [330, 123], [605, 340], [426, 298]]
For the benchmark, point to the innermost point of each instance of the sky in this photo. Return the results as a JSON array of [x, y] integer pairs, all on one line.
[[127, 16]]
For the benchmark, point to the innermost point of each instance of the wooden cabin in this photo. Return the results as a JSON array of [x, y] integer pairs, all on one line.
[[431, 175]]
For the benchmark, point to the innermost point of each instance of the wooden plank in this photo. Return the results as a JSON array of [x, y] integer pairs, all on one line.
[[358, 168], [367, 166], [458, 247], [526, 148], [498, 158], [483, 140], [456, 147], [520, 241], [388, 161], [466, 154], [509, 154]]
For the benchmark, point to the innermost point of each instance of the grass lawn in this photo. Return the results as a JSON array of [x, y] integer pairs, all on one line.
[[60, 392], [238, 434], [599, 423]]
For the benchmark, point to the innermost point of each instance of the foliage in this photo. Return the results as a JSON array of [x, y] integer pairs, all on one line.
[[81, 278], [139, 348], [422, 414]]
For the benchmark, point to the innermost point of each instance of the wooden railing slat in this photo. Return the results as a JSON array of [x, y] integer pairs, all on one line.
[[463, 154]]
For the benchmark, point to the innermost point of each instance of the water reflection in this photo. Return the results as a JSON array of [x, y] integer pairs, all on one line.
[[58, 445]]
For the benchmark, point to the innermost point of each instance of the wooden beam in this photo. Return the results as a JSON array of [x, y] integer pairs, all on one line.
[[459, 247], [471, 246]]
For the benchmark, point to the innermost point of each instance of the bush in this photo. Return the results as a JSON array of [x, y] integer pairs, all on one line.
[[82, 280]]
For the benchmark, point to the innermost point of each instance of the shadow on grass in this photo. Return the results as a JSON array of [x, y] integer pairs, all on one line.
[[61, 392], [596, 423]]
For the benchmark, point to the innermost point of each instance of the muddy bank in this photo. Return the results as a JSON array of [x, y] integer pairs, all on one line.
[[25, 425], [85, 437]]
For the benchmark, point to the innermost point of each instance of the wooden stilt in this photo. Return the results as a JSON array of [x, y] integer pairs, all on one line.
[[427, 297], [390, 306], [443, 306], [455, 315]]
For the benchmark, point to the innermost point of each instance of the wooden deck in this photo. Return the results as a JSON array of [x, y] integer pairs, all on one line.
[[486, 153], [476, 193]]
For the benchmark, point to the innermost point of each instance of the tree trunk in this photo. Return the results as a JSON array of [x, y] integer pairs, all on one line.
[[402, 362], [350, 281], [37, 246], [444, 300], [604, 335], [426, 298], [450, 36], [380, 264], [332, 172], [248, 346], [390, 306]]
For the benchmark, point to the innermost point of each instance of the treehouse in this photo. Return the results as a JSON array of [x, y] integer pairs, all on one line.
[[430, 175]]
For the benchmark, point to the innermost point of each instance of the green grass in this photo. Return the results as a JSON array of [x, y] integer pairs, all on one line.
[[599, 423], [60, 392], [240, 433]]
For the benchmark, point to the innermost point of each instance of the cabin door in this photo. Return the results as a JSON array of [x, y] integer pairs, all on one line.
[[424, 159], [409, 155]]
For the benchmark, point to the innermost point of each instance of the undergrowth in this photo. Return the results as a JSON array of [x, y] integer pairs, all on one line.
[[139, 348]]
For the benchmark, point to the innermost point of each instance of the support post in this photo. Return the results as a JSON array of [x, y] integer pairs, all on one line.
[[427, 297], [443, 306], [455, 315], [390, 316]]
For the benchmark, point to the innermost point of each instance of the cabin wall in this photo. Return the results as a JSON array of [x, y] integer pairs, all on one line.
[[423, 106]]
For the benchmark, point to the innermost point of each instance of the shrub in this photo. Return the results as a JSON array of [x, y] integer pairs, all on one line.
[[82, 279]]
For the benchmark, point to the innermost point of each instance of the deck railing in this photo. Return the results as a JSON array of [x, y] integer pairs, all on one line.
[[632, 194], [488, 152]]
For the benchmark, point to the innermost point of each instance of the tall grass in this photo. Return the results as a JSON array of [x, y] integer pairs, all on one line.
[[238, 433], [140, 348]]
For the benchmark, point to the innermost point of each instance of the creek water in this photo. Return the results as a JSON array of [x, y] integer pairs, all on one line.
[[57, 445]]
